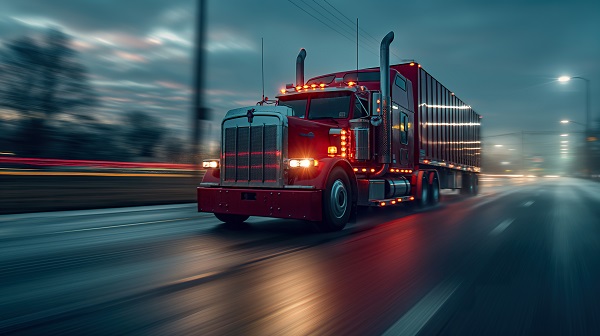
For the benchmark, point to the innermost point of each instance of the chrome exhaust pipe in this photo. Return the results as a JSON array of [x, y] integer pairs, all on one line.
[[385, 140], [300, 67]]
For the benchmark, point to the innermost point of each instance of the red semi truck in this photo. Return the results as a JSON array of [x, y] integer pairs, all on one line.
[[342, 140]]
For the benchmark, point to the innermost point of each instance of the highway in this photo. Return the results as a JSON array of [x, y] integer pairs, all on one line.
[[523, 257]]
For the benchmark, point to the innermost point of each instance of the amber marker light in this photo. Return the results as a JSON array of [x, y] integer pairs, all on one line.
[[306, 86], [393, 202], [372, 170], [382, 203], [412, 198]]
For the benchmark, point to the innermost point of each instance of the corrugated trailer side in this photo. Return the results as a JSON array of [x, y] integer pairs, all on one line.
[[447, 130]]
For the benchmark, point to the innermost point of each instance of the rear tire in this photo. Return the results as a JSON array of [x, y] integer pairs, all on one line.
[[337, 201], [423, 199], [434, 191], [231, 219]]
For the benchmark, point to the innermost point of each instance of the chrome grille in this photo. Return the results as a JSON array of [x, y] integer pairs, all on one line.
[[251, 155]]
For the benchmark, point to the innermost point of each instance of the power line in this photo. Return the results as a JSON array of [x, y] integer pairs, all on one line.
[[337, 31], [364, 31], [316, 18], [344, 33], [350, 25]]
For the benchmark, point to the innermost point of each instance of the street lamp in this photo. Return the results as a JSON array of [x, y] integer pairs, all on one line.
[[565, 79], [571, 122]]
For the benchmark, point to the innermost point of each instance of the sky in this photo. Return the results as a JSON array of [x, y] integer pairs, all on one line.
[[501, 58]]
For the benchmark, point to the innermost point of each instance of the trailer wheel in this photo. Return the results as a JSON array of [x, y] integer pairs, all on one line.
[[231, 219], [467, 185], [474, 184], [337, 201], [434, 192]]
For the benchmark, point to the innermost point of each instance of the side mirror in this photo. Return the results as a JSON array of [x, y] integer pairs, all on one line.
[[376, 120]]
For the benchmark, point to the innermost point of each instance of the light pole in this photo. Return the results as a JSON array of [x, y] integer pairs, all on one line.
[[588, 118], [571, 122], [565, 79]]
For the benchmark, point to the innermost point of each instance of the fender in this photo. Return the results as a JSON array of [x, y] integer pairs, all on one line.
[[319, 178], [212, 175], [432, 176]]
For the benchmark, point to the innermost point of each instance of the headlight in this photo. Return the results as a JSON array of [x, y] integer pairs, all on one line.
[[302, 163], [210, 164]]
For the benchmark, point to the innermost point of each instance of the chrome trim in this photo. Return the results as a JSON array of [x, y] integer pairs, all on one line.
[[209, 184], [298, 187], [258, 143]]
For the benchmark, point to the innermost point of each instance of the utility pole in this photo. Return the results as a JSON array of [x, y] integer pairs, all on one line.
[[200, 112], [522, 152]]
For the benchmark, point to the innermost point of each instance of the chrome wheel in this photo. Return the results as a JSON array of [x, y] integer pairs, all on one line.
[[338, 199]]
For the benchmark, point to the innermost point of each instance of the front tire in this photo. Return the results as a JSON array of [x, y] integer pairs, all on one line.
[[337, 201]]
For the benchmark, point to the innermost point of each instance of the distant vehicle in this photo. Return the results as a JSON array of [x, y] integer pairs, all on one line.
[[342, 140]]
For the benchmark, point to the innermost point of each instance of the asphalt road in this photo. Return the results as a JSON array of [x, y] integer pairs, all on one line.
[[520, 258]]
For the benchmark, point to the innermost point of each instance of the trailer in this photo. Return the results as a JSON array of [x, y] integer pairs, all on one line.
[[343, 140]]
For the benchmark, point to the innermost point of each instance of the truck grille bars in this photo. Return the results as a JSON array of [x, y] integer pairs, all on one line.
[[251, 155]]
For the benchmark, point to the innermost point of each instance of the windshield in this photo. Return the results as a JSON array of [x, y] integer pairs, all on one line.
[[333, 105]]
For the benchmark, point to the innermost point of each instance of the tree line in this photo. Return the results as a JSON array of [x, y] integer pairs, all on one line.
[[47, 109]]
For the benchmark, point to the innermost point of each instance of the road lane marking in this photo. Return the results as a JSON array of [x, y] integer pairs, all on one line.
[[501, 227], [91, 212], [417, 317], [528, 203], [123, 225], [493, 197]]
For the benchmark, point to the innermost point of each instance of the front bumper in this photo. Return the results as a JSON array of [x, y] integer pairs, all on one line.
[[278, 203]]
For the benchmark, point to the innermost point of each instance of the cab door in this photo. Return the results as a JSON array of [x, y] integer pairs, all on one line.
[[402, 121]]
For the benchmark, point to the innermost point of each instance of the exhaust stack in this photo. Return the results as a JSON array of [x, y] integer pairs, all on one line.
[[385, 140], [300, 67]]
